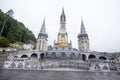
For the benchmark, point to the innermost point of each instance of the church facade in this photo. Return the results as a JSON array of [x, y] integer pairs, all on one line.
[[62, 54], [62, 42]]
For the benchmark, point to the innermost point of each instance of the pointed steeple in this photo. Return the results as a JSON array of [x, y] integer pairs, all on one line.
[[82, 31], [41, 44], [43, 30], [62, 17], [62, 35], [83, 39], [63, 11]]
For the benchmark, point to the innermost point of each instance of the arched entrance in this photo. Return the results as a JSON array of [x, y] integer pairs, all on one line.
[[83, 57], [24, 56], [42, 55], [102, 58], [34, 55], [91, 57]]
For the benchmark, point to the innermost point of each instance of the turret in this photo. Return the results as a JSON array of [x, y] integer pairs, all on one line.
[[42, 39], [83, 40]]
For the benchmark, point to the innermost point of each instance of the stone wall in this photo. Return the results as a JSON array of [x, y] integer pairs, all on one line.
[[3, 57]]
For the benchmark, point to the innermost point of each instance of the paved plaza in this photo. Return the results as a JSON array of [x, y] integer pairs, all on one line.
[[57, 75]]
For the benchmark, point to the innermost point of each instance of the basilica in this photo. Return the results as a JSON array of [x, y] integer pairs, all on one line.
[[62, 55], [62, 48]]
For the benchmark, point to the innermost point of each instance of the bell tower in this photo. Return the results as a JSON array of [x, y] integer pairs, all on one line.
[[83, 40], [62, 35], [42, 39]]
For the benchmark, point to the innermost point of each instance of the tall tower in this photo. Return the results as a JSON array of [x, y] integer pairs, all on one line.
[[83, 40], [42, 39], [62, 35]]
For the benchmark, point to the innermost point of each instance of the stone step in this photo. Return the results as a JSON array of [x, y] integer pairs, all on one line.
[[3, 57], [1, 64]]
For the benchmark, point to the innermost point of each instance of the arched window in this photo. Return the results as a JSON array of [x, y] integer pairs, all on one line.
[[85, 41], [24, 56]]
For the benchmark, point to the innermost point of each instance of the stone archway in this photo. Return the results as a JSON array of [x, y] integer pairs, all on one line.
[[102, 58], [83, 57], [91, 57], [34, 55], [24, 56], [42, 56]]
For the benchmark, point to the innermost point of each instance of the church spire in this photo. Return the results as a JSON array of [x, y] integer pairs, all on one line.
[[62, 17], [63, 11], [41, 44], [62, 35], [83, 31], [83, 40], [43, 29]]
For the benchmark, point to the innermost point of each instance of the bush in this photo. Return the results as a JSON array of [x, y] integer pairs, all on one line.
[[4, 42], [18, 43]]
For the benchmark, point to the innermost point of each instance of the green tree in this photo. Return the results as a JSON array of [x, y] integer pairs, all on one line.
[[4, 42], [15, 31]]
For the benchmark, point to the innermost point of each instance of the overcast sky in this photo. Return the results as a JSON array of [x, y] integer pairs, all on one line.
[[101, 19]]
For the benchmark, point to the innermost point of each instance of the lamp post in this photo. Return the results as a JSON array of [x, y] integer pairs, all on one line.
[[9, 13]]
